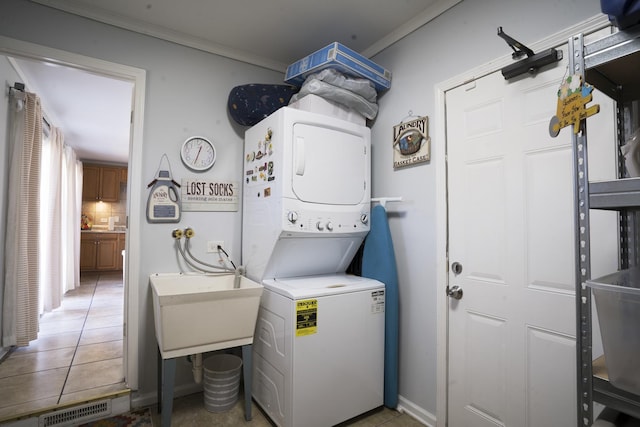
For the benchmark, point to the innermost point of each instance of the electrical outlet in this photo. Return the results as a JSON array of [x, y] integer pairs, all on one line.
[[212, 245]]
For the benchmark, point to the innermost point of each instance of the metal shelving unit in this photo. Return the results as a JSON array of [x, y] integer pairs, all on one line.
[[612, 65]]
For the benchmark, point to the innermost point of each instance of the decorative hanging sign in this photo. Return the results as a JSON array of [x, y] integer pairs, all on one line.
[[163, 203], [411, 142], [203, 195], [573, 96]]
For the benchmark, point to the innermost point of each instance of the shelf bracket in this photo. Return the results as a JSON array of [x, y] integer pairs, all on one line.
[[531, 63]]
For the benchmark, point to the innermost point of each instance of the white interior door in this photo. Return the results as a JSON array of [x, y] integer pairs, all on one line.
[[510, 193]]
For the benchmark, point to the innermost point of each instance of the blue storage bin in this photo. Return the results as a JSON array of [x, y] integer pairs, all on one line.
[[343, 59], [622, 13]]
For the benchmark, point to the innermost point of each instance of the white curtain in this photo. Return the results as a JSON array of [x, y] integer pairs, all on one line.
[[20, 301], [60, 221], [50, 221], [72, 199]]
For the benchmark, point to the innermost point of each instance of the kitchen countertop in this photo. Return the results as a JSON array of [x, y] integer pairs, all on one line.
[[104, 230]]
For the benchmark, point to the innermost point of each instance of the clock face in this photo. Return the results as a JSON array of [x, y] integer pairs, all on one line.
[[198, 153]]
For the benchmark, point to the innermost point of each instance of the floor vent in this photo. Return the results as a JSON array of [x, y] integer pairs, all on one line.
[[75, 415]]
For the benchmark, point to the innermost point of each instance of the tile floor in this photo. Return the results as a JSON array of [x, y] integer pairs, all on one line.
[[190, 411], [77, 356]]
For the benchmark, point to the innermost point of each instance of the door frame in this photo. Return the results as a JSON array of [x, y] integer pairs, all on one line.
[[22, 49], [588, 26]]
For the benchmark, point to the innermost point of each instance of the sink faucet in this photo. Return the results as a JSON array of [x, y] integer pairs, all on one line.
[[238, 272]]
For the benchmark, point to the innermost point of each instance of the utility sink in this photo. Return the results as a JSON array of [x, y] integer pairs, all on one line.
[[196, 313]]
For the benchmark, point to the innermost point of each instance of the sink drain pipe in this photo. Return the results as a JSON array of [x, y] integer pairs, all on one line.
[[196, 361]]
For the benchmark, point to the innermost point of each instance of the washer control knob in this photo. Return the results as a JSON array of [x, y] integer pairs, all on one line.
[[292, 216], [319, 226], [329, 226], [364, 218]]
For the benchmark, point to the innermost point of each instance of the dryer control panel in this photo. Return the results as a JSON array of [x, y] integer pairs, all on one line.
[[327, 223]]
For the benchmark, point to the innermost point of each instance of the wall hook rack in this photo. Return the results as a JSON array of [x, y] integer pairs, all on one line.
[[383, 200], [531, 63]]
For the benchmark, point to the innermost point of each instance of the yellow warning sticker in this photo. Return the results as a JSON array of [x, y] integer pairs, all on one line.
[[306, 317]]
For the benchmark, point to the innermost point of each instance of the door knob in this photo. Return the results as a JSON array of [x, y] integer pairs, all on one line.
[[454, 292]]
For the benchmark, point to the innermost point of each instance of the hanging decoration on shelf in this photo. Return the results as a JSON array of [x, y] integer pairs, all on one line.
[[411, 142], [573, 96]]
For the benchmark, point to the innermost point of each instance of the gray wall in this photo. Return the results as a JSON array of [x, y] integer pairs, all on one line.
[[461, 39], [186, 94]]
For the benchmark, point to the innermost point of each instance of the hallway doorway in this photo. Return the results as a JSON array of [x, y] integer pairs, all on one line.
[[137, 77]]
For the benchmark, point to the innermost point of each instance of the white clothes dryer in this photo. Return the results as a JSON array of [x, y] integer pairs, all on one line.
[[306, 194], [319, 349]]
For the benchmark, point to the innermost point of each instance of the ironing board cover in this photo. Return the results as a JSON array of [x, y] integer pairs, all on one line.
[[379, 263], [250, 103]]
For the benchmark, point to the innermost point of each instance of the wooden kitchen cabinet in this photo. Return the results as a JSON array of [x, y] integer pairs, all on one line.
[[88, 250], [101, 183], [101, 251]]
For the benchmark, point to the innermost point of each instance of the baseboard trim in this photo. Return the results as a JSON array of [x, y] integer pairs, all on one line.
[[74, 413], [408, 407]]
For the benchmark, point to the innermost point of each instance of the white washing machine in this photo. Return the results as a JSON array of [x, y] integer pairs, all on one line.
[[318, 358], [319, 340]]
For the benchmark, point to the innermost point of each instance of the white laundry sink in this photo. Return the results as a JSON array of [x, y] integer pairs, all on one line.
[[196, 313]]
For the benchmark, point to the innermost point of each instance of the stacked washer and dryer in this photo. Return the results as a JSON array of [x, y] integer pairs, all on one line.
[[319, 342]]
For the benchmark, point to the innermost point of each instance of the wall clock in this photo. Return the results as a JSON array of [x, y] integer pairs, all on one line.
[[198, 153]]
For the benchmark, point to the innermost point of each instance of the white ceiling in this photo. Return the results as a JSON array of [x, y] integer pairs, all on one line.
[[93, 111], [268, 33]]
